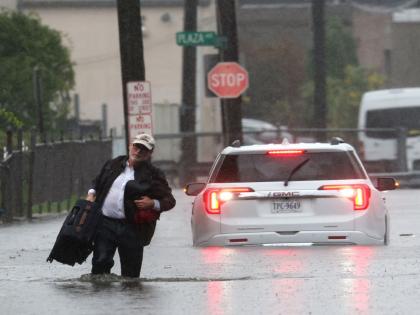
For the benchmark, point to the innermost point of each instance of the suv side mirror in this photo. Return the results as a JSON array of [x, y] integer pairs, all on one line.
[[386, 183], [194, 189]]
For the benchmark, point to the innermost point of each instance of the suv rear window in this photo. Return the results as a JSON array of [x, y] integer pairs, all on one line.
[[259, 167]]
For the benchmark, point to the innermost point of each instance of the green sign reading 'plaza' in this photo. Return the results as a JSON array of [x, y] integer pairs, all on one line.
[[196, 38]]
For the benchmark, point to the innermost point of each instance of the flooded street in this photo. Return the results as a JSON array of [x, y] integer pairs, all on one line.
[[179, 279], [284, 107]]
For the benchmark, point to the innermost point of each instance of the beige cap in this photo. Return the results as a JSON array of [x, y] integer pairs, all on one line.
[[147, 140]]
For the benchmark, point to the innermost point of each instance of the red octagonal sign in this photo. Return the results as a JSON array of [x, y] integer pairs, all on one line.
[[228, 79]]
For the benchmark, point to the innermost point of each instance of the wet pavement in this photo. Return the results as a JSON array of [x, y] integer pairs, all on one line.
[[179, 279]]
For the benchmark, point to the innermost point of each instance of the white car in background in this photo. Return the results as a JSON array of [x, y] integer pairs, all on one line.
[[314, 193], [258, 131]]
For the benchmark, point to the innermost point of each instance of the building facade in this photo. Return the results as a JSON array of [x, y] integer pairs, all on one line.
[[386, 44], [8, 4], [90, 30]]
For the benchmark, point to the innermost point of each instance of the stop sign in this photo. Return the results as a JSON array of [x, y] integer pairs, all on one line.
[[227, 79]]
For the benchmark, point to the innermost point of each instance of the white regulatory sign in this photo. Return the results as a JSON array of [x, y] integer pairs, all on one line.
[[139, 97], [139, 124]]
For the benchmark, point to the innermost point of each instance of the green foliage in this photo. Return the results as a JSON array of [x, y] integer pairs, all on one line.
[[344, 95], [340, 49], [285, 99], [346, 81], [9, 119], [25, 44], [277, 70]]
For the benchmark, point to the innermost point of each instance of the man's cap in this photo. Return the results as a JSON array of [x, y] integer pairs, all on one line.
[[147, 140]]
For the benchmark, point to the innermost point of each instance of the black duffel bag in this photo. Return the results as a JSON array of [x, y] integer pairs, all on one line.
[[74, 242]]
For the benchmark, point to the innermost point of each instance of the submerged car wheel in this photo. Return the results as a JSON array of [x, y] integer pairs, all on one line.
[[386, 235]]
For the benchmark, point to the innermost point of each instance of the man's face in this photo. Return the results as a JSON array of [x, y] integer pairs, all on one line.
[[139, 152]]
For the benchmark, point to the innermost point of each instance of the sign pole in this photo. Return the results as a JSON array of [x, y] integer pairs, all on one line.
[[320, 83], [187, 115], [231, 108], [131, 51]]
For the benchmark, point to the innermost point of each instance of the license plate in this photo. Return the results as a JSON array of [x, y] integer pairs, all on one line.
[[286, 206]]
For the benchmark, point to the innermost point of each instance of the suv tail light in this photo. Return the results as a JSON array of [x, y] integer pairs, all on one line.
[[215, 197], [359, 193], [285, 152]]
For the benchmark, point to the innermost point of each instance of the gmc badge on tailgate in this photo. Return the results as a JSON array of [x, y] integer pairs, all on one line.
[[284, 194]]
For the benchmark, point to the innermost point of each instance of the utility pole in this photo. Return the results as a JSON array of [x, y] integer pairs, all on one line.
[[37, 86], [131, 50], [104, 121], [320, 99], [187, 117], [231, 108], [77, 131]]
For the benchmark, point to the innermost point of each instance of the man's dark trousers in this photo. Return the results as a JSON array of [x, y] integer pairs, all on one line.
[[113, 234]]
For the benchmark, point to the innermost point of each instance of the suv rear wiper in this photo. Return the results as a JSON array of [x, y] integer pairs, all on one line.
[[294, 170]]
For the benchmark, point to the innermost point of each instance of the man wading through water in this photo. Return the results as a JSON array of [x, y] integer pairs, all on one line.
[[132, 194]]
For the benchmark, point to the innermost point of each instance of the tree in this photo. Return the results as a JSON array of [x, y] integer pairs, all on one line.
[[7, 118], [344, 95], [346, 80], [25, 44], [340, 49], [278, 72]]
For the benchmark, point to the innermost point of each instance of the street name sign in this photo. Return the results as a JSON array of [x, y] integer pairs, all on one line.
[[196, 38], [228, 79]]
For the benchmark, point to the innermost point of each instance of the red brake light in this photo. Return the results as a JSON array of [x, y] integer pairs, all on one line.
[[285, 152], [214, 198], [213, 203], [359, 193]]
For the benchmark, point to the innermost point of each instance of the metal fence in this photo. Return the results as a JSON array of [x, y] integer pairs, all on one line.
[[47, 177], [382, 150]]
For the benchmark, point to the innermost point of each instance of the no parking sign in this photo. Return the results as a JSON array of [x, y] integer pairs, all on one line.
[[139, 98]]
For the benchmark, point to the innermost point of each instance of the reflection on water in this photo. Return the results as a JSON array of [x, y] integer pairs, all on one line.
[[212, 255], [358, 259], [215, 293], [359, 286]]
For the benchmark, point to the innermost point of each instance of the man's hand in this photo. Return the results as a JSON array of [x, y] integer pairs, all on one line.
[[144, 203]]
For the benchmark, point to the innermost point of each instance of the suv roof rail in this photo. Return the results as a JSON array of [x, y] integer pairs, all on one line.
[[336, 140], [236, 143]]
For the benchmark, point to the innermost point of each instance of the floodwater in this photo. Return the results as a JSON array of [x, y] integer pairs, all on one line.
[[179, 279]]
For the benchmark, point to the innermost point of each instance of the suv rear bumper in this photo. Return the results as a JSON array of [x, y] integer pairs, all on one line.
[[314, 237]]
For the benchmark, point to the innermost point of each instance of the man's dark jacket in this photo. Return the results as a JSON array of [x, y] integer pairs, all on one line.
[[144, 173]]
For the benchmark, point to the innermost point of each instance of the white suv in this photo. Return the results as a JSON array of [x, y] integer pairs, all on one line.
[[289, 193]]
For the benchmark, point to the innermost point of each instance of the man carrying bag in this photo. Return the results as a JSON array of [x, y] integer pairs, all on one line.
[[132, 193]]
